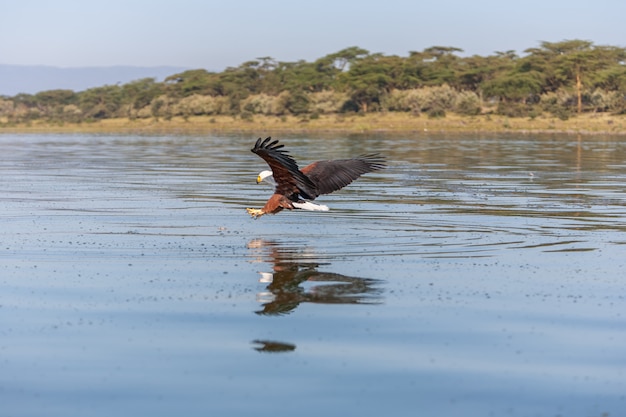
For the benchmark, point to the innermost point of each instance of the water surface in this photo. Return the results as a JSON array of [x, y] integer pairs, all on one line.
[[477, 275]]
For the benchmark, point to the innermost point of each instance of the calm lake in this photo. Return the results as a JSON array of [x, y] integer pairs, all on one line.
[[476, 276]]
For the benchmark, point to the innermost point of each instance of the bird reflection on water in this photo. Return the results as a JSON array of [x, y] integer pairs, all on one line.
[[292, 267], [272, 346]]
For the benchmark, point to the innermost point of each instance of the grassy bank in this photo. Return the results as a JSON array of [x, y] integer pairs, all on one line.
[[349, 123]]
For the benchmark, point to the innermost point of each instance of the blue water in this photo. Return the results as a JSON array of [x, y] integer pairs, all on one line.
[[476, 276]]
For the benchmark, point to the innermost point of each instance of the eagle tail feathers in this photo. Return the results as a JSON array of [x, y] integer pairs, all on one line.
[[307, 205]]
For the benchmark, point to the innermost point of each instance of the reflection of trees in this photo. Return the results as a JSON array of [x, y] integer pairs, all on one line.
[[292, 269]]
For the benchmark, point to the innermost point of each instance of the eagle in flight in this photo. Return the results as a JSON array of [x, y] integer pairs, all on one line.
[[295, 187]]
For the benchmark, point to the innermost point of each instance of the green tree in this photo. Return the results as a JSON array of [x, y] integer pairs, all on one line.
[[240, 82], [572, 63], [51, 103], [139, 94], [100, 102], [369, 79], [514, 86], [309, 77], [342, 60], [55, 97], [436, 65], [477, 70], [612, 78], [270, 75], [197, 81]]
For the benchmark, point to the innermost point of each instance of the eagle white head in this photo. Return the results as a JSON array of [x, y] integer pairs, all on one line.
[[266, 176]]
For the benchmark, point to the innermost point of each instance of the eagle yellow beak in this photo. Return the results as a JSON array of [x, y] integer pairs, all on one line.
[[258, 179]]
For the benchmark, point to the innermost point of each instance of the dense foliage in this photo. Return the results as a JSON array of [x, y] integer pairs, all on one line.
[[562, 78]]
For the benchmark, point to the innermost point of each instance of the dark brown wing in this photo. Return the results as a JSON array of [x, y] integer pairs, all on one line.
[[331, 176], [289, 179]]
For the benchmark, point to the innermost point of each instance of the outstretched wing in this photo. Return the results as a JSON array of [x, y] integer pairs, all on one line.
[[333, 175], [289, 179]]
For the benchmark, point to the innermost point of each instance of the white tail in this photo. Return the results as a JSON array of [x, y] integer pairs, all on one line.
[[307, 205]]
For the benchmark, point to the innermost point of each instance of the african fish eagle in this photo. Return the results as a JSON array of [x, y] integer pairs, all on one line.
[[294, 187]]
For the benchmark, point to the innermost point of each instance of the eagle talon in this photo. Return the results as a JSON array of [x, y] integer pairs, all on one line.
[[255, 213]]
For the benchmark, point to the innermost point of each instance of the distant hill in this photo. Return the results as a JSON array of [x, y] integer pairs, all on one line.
[[15, 79]]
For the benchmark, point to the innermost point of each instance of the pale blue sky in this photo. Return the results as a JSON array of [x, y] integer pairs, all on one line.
[[217, 34]]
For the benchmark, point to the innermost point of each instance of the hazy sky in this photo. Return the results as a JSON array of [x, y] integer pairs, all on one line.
[[216, 34]]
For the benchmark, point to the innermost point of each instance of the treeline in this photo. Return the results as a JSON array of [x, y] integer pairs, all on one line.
[[560, 78]]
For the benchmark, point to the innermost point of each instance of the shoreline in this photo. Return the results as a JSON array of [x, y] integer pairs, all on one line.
[[376, 123]]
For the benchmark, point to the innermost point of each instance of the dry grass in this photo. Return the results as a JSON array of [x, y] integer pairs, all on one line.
[[350, 123]]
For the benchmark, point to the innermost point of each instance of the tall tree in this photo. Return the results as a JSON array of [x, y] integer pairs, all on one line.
[[197, 81], [436, 65], [571, 62], [477, 70], [100, 102], [140, 93], [52, 102], [343, 59], [369, 78]]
